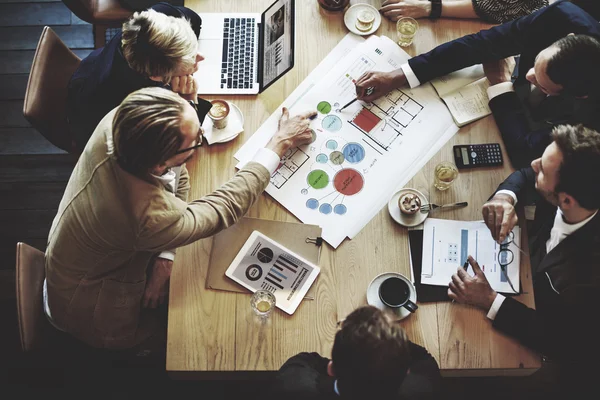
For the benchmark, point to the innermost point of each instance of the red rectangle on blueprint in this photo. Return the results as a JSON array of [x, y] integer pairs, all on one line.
[[366, 120]]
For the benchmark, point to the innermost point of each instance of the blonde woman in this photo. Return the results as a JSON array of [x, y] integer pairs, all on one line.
[[157, 47]]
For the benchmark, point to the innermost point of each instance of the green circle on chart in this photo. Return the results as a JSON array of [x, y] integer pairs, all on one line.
[[324, 107], [318, 179]]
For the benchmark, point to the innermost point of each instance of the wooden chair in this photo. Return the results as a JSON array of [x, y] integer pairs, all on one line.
[[103, 14], [45, 105], [30, 280]]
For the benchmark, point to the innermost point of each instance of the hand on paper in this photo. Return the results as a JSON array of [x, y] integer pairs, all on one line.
[[396, 9], [499, 71], [291, 132], [474, 290], [500, 216], [157, 283], [186, 86], [382, 82]]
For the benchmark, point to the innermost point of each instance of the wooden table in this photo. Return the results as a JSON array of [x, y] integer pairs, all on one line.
[[216, 331]]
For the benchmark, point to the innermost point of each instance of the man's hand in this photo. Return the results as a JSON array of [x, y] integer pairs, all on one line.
[[186, 86], [499, 71], [157, 283], [500, 216], [474, 290], [381, 82], [396, 9], [291, 132]]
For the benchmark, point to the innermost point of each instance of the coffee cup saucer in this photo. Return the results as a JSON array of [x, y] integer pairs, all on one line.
[[373, 294], [235, 126], [407, 220]]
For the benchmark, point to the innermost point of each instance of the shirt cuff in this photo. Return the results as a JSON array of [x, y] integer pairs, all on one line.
[[499, 88], [510, 193], [412, 79], [167, 255], [495, 306], [268, 159]]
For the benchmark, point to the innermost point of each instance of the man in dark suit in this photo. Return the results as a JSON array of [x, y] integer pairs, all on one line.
[[563, 69], [158, 47], [564, 249], [371, 358]]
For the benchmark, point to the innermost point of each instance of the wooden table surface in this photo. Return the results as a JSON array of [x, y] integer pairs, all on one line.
[[216, 331]]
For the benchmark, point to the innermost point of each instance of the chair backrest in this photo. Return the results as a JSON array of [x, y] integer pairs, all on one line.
[[45, 105], [100, 11], [30, 281]]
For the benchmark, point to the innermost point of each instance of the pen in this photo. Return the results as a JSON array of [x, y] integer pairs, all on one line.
[[368, 92]]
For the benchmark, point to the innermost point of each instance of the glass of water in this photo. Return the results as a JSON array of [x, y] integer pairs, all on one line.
[[445, 174], [407, 28], [262, 302]]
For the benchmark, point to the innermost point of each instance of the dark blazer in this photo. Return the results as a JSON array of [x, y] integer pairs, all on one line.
[[304, 377], [104, 79], [526, 36], [566, 282]]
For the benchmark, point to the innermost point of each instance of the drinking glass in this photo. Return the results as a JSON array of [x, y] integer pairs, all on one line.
[[262, 302], [445, 174], [407, 28]]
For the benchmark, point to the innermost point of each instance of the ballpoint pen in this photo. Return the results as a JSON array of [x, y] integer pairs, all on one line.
[[369, 91]]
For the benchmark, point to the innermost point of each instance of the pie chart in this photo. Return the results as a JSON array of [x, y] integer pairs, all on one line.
[[265, 255]]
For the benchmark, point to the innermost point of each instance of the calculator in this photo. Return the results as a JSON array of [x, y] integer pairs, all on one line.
[[477, 155]]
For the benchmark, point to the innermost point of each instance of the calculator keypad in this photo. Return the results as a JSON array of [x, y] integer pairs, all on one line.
[[485, 154]]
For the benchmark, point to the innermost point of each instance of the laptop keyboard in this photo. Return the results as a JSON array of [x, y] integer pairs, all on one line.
[[237, 68]]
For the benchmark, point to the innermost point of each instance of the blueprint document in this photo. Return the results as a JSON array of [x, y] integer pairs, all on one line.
[[360, 155], [447, 244]]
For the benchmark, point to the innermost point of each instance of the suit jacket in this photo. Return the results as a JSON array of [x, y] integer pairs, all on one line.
[[566, 285], [526, 36], [304, 377], [108, 227], [104, 79]]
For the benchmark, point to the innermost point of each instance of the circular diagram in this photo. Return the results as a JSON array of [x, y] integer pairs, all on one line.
[[318, 179], [348, 181], [332, 123], [304, 191], [313, 204], [253, 272], [354, 152], [337, 157], [324, 107], [340, 209], [265, 255], [331, 144], [313, 136], [325, 208], [322, 158]]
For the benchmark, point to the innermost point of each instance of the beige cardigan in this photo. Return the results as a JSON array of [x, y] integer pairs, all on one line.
[[110, 224]]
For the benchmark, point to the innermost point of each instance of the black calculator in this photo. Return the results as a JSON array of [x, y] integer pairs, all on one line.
[[477, 155]]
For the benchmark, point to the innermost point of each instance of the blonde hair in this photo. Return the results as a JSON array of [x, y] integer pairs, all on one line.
[[155, 44], [147, 129]]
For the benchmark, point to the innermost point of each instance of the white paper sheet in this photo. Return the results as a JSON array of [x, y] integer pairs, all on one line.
[[361, 153], [447, 244]]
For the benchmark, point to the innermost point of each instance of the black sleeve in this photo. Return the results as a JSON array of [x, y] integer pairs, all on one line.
[[533, 32], [424, 379], [522, 144], [299, 377], [521, 183]]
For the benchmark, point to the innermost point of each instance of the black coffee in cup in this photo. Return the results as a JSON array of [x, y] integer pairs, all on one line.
[[395, 292]]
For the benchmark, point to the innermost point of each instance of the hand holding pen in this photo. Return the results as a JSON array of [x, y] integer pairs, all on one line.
[[474, 290], [381, 84]]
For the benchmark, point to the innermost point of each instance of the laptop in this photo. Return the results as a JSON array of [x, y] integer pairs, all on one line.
[[245, 53]]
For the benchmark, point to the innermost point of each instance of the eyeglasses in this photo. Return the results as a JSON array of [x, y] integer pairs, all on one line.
[[506, 256], [194, 147]]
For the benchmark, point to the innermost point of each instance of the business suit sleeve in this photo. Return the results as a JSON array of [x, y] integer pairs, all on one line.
[[522, 145], [183, 184], [424, 379], [568, 333], [168, 225], [533, 32], [521, 183], [299, 378]]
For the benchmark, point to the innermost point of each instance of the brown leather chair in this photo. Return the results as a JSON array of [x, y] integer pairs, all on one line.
[[103, 14], [30, 280], [46, 96]]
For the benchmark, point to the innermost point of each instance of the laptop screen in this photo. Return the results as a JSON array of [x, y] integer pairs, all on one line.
[[277, 49]]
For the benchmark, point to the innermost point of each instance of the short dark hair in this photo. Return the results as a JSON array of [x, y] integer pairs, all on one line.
[[147, 129], [579, 172], [575, 65], [370, 355]]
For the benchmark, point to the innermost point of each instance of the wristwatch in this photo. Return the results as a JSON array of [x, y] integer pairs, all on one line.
[[436, 9]]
